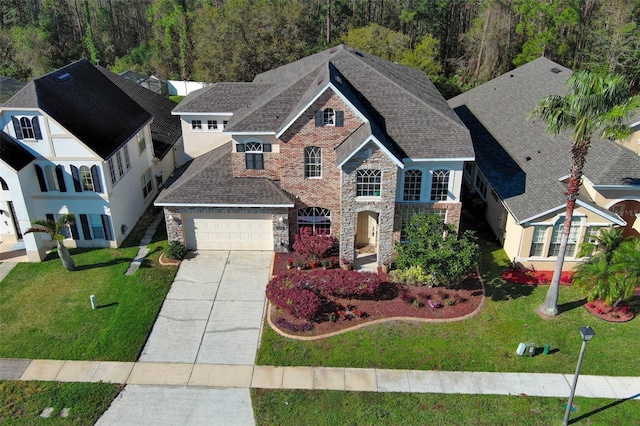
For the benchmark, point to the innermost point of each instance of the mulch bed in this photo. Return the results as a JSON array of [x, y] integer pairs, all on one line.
[[621, 313], [396, 301]]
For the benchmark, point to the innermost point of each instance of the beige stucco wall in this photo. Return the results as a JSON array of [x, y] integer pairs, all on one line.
[[633, 142], [518, 244], [198, 142]]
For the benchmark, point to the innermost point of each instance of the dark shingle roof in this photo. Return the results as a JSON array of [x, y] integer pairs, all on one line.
[[221, 97], [520, 159], [8, 87], [87, 104], [208, 180], [14, 154], [165, 128], [401, 101]]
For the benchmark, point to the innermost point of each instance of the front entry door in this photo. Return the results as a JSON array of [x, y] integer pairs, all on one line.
[[367, 232]]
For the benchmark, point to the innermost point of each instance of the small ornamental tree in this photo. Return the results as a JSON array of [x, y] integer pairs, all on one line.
[[436, 248], [312, 246]]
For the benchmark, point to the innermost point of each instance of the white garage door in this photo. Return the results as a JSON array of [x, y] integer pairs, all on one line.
[[210, 231]]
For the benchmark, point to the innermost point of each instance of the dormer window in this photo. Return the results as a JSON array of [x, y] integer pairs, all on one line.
[[253, 154]]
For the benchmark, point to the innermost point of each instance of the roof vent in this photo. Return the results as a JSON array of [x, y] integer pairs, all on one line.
[[64, 77], [556, 70], [528, 158]]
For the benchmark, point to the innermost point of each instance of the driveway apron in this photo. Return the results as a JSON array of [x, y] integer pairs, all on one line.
[[213, 312], [212, 315]]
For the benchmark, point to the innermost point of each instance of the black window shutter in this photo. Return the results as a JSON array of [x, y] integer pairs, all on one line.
[[248, 159], [259, 161], [41, 181], [60, 176], [74, 231], [240, 147], [36, 128], [266, 147], [95, 175], [106, 225], [319, 118], [49, 216], [339, 118], [76, 178], [17, 127], [85, 226]]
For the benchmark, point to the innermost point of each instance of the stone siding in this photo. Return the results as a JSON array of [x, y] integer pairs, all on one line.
[[384, 206]]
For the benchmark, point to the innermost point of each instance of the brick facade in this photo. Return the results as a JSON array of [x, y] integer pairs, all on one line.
[[271, 166], [321, 192]]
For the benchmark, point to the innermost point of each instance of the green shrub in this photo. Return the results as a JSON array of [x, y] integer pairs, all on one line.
[[413, 275], [175, 250]]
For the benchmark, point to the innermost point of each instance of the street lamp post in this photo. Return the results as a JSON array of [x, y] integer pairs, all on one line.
[[587, 334]]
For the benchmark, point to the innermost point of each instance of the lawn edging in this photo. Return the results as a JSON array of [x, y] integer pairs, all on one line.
[[378, 321]]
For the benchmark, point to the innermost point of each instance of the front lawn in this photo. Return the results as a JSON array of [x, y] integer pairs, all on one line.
[[486, 342], [23, 402], [45, 310], [297, 407]]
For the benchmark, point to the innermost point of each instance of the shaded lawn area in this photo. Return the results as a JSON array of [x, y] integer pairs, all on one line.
[[486, 342], [22, 402], [298, 407], [45, 310]]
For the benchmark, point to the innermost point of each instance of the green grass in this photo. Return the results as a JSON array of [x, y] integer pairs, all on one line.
[[176, 98], [486, 342], [45, 310], [295, 407], [22, 402]]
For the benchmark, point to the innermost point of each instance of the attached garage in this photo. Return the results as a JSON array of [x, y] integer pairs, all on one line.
[[216, 231]]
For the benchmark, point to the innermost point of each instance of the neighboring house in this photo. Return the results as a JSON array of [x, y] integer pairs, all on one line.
[[8, 87], [341, 141], [85, 147], [522, 171]]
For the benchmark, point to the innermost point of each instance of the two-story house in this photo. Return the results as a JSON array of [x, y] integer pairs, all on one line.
[[522, 171], [85, 147], [341, 141]]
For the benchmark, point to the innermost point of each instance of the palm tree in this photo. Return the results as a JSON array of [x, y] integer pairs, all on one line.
[[53, 229], [595, 106], [606, 242]]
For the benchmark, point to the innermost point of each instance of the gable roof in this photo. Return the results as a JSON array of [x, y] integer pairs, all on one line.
[[14, 154], [521, 161], [207, 181], [165, 128], [87, 104], [220, 98], [8, 87], [400, 101]]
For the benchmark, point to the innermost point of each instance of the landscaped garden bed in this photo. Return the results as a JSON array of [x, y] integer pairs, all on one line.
[[314, 311], [620, 313]]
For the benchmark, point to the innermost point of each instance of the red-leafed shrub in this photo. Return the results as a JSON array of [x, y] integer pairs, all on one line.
[[293, 297], [341, 283], [313, 246]]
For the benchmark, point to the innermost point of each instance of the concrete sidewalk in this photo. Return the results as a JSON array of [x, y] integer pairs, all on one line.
[[344, 379]]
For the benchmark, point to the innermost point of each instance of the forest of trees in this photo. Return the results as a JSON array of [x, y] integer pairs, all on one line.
[[458, 43]]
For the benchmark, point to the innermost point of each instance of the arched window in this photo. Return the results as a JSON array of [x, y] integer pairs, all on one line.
[[312, 162], [253, 155], [412, 184], [329, 116], [440, 185], [86, 179], [368, 183], [316, 218], [27, 128]]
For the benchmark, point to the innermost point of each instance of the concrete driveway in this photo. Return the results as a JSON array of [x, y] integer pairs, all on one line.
[[212, 315], [213, 312]]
